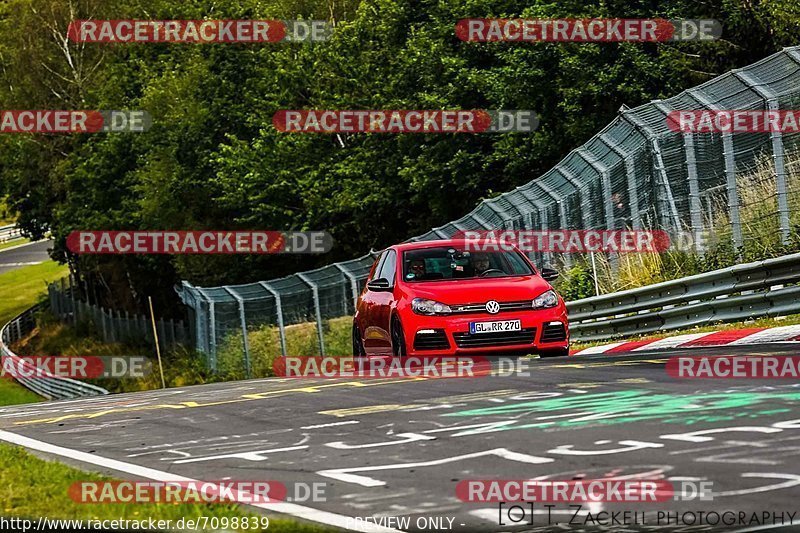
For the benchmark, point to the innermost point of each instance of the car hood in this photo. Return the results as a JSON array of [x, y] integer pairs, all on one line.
[[465, 291]]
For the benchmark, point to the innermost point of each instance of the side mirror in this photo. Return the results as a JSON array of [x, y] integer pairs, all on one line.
[[548, 274], [378, 285]]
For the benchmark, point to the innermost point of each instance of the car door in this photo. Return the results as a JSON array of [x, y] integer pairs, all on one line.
[[382, 305], [366, 311]]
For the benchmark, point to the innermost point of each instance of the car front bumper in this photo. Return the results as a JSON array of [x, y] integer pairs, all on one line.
[[426, 335]]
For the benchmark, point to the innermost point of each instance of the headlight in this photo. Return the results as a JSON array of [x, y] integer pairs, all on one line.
[[421, 306], [545, 300]]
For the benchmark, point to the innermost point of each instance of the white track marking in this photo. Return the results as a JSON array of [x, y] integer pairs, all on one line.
[[247, 456], [407, 437], [346, 475], [299, 511], [779, 334], [27, 263], [791, 481], [23, 245], [332, 424], [673, 342], [599, 349]]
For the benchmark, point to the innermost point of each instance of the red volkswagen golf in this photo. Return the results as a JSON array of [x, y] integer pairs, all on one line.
[[440, 298]]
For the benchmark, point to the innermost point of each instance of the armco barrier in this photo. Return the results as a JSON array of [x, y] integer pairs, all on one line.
[[50, 387], [739, 292], [9, 233]]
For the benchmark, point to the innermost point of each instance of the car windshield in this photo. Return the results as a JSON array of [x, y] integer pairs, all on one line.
[[433, 264]]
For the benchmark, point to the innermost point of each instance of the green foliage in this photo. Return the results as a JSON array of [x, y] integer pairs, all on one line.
[[301, 341], [576, 282]]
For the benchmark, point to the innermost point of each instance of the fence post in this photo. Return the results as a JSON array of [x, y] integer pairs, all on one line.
[[103, 322], [243, 320], [581, 189], [730, 173], [51, 296], [605, 181], [128, 325], [72, 299], [353, 283], [315, 294], [500, 212], [118, 326], [212, 348], [608, 205], [630, 176], [695, 206], [658, 163], [562, 214], [771, 100], [536, 202], [161, 332], [279, 312]]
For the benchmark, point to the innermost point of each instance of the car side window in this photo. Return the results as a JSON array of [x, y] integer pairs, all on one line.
[[378, 264], [389, 267]]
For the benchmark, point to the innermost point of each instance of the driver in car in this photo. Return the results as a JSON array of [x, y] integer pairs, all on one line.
[[417, 267], [480, 262]]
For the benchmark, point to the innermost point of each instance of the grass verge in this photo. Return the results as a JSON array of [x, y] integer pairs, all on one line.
[[23, 287], [31, 487], [19, 290]]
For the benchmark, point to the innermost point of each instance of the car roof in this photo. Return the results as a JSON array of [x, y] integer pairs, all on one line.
[[419, 245]]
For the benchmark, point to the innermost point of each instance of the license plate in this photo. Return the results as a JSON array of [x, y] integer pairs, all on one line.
[[495, 326]]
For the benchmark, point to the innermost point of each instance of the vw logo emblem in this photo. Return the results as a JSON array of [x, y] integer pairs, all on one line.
[[492, 307]]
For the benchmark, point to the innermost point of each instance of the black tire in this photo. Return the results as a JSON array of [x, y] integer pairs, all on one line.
[[358, 345], [554, 352], [398, 340]]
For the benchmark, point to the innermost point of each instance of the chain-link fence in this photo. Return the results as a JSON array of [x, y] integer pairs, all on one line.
[[114, 325], [636, 173]]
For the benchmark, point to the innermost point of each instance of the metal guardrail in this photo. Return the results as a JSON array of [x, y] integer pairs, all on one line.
[[49, 386], [740, 292], [9, 233]]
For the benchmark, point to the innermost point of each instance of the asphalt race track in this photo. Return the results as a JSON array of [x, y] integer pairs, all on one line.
[[26, 255], [398, 447]]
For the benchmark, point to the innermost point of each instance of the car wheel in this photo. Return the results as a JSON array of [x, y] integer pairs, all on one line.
[[398, 340], [555, 352], [358, 345]]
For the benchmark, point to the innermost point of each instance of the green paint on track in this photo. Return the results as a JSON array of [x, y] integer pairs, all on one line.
[[621, 407]]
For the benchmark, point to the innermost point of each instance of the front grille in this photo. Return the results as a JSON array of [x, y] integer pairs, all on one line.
[[521, 305], [500, 338], [437, 340], [554, 332]]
